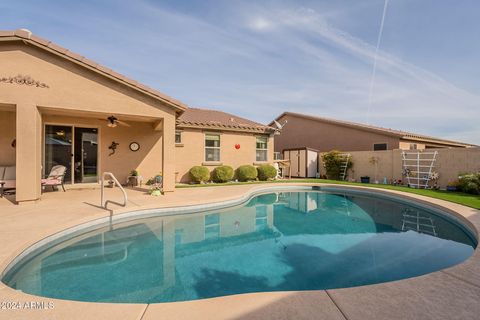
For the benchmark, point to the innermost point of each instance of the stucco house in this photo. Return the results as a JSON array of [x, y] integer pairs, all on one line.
[[212, 138], [324, 134], [58, 107]]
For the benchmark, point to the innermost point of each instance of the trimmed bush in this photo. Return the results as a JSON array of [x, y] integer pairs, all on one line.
[[469, 183], [222, 174], [266, 172], [332, 162], [247, 173], [200, 174]]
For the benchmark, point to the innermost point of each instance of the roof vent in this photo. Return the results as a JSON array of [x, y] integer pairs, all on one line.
[[27, 31]]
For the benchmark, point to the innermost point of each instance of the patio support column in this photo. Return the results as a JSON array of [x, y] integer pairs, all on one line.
[[169, 154], [28, 152]]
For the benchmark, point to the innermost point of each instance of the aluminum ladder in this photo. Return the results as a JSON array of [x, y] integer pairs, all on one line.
[[344, 165]]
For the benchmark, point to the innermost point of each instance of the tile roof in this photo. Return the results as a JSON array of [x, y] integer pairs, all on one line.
[[28, 37], [214, 119], [391, 132]]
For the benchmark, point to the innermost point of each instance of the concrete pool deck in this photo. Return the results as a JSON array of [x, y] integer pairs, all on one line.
[[452, 293]]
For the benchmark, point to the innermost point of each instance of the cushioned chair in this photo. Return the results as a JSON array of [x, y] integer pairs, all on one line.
[[7, 178], [55, 177]]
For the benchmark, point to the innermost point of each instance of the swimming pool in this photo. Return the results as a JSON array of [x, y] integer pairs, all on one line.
[[277, 241]]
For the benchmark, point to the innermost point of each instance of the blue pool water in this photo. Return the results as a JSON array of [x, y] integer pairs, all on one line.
[[279, 241]]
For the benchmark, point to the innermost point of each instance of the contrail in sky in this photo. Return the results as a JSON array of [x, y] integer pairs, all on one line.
[[374, 70]]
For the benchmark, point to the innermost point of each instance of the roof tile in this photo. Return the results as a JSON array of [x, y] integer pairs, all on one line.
[[57, 48], [219, 119], [40, 40], [7, 33]]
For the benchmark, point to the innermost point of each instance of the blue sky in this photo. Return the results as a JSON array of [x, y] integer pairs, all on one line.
[[259, 58]]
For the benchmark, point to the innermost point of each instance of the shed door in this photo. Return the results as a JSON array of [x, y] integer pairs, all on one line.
[[302, 163], [312, 164]]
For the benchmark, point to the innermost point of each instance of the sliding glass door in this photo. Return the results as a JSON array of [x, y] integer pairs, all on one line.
[[86, 150], [58, 149], [75, 148]]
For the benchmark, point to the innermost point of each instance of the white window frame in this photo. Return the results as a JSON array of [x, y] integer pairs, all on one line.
[[259, 149], [205, 146]]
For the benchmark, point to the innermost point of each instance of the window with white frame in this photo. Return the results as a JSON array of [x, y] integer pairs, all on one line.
[[262, 149], [212, 147]]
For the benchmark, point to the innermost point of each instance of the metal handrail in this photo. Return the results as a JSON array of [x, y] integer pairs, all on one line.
[[125, 198]]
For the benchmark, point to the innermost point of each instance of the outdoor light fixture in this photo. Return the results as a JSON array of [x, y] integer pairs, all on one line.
[[112, 122]]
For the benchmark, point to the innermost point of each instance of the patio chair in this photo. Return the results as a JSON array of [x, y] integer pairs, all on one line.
[[55, 177], [7, 179]]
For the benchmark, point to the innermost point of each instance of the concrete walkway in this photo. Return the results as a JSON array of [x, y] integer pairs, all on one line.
[[448, 294]]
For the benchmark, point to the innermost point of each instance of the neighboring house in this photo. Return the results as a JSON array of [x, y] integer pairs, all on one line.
[[59, 108], [323, 134], [212, 138]]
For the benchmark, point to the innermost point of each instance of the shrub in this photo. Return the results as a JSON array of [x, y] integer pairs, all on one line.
[[266, 172], [222, 174], [332, 162], [200, 174], [469, 183], [246, 173]]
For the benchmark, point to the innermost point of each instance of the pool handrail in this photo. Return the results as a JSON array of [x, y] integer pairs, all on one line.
[[112, 177]]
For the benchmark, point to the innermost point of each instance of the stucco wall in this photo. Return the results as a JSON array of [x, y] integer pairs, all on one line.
[[7, 134], [192, 151], [449, 164], [77, 91], [301, 132], [147, 160]]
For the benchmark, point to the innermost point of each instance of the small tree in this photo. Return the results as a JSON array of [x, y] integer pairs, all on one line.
[[332, 162]]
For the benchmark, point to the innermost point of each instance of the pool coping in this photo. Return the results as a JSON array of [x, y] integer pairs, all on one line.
[[466, 215]]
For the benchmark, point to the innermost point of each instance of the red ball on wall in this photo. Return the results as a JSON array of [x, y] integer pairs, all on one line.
[[237, 146]]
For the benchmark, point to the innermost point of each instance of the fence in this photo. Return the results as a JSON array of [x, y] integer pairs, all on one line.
[[450, 164]]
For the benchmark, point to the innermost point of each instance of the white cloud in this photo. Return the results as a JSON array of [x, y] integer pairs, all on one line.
[[260, 24]]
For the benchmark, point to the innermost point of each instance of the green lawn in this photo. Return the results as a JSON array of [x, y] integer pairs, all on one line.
[[465, 199]]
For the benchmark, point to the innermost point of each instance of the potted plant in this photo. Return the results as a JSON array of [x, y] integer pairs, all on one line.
[[156, 189], [134, 178], [453, 185], [365, 179]]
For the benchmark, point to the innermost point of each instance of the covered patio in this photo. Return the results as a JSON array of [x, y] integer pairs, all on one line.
[[59, 108]]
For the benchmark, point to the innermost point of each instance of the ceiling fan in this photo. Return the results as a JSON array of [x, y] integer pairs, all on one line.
[[112, 122]]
